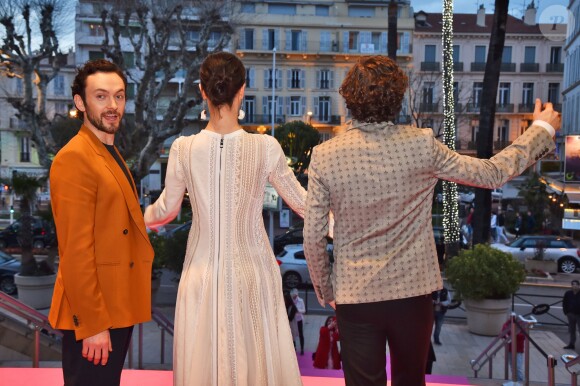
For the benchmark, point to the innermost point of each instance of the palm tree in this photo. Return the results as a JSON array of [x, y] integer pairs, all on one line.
[[26, 187]]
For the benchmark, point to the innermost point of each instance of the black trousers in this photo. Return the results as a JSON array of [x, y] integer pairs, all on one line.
[[366, 328], [78, 371]]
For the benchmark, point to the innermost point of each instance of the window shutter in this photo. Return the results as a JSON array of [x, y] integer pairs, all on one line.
[[301, 74], [318, 78], [278, 79], [383, 42], [304, 42], [266, 77], [277, 38], [288, 105], [280, 106], [331, 79], [265, 105], [265, 39], [405, 43], [288, 40], [345, 41], [316, 106], [288, 79], [242, 42], [252, 83], [303, 105]]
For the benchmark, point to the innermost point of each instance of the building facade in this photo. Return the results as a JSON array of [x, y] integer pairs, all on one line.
[[297, 54], [532, 67]]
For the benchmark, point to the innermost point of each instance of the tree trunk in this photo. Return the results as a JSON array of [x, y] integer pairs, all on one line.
[[392, 37], [482, 213]]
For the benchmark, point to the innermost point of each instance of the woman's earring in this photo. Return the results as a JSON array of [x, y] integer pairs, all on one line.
[[241, 115], [203, 115]]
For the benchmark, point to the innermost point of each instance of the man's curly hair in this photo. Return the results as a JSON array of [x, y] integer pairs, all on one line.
[[374, 88]]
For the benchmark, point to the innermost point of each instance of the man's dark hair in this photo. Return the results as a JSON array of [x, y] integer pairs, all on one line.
[[89, 68], [575, 282]]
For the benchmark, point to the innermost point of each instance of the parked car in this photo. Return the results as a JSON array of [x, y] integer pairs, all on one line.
[[466, 196], [294, 235], [42, 235], [557, 248], [496, 194], [293, 265], [8, 268]]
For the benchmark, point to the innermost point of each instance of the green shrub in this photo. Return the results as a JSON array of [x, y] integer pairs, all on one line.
[[484, 273]]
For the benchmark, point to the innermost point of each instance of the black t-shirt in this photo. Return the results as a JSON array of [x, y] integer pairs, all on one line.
[[111, 149]]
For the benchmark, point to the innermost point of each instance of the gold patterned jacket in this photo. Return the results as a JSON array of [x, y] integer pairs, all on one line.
[[378, 181]]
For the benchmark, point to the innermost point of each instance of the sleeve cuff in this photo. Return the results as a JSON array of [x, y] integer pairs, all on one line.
[[546, 126]]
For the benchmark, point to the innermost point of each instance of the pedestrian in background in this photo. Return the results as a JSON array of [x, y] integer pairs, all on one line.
[[441, 300], [301, 310], [530, 223], [571, 308], [500, 228], [292, 311], [493, 226], [327, 355], [520, 338], [518, 225]]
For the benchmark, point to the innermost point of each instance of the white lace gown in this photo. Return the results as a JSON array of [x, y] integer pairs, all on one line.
[[231, 326]]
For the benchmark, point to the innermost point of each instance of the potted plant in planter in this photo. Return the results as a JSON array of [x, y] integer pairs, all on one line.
[[485, 279], [35, 281]]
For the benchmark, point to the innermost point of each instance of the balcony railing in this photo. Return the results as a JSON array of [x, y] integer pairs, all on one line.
[[458, 66], [526, 107], [429, 107], [529, 67], [330, 119], [431, 66], [554, 67], [499, 145], [477, 66], [508, 67], [261, 119], [504, 108], [473, 107]]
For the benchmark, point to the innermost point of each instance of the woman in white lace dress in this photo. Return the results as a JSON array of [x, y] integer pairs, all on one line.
[[231, 326]]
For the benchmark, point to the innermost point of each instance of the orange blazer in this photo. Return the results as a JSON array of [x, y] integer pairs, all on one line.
[[104, 274]]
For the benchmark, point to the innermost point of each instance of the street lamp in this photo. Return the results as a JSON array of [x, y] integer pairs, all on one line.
[[309, 114]]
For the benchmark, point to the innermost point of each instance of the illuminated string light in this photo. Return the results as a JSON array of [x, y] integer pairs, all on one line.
[[450, 197]]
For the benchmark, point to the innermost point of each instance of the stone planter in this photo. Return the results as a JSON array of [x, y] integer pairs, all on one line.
[[549, 266], [35, 291], [486, 317]]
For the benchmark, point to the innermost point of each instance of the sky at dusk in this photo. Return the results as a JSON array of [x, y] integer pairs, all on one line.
[[516, 7]]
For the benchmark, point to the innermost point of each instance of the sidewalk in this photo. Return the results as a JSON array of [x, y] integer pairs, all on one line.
[[453, 357]]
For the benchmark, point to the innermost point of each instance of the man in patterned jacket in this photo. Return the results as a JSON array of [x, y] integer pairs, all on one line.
[[378, 179]]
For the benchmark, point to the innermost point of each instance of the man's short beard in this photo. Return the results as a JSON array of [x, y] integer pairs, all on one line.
[[99, 125]]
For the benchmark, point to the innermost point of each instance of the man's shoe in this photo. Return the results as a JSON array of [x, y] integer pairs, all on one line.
[[437, 343], [301, 352], [569, 347]]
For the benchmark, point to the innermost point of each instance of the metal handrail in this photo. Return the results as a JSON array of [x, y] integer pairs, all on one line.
[[505, 339], [34, 319], [164, 324]]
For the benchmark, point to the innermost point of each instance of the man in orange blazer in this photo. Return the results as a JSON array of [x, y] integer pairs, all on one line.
[[103, 286]]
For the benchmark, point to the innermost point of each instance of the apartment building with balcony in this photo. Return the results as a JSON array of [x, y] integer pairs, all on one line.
[[17, 151], [532, 67], [297, 54]]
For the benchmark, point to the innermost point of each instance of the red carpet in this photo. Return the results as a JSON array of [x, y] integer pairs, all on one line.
[[310, 377]]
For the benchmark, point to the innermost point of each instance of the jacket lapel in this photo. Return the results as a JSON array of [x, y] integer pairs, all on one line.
[[129, 193]]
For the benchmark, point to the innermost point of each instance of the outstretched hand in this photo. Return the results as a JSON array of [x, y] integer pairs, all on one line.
[[548, 114]]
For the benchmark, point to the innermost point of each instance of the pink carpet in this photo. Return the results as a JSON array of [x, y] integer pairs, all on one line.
[[53, 377]]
